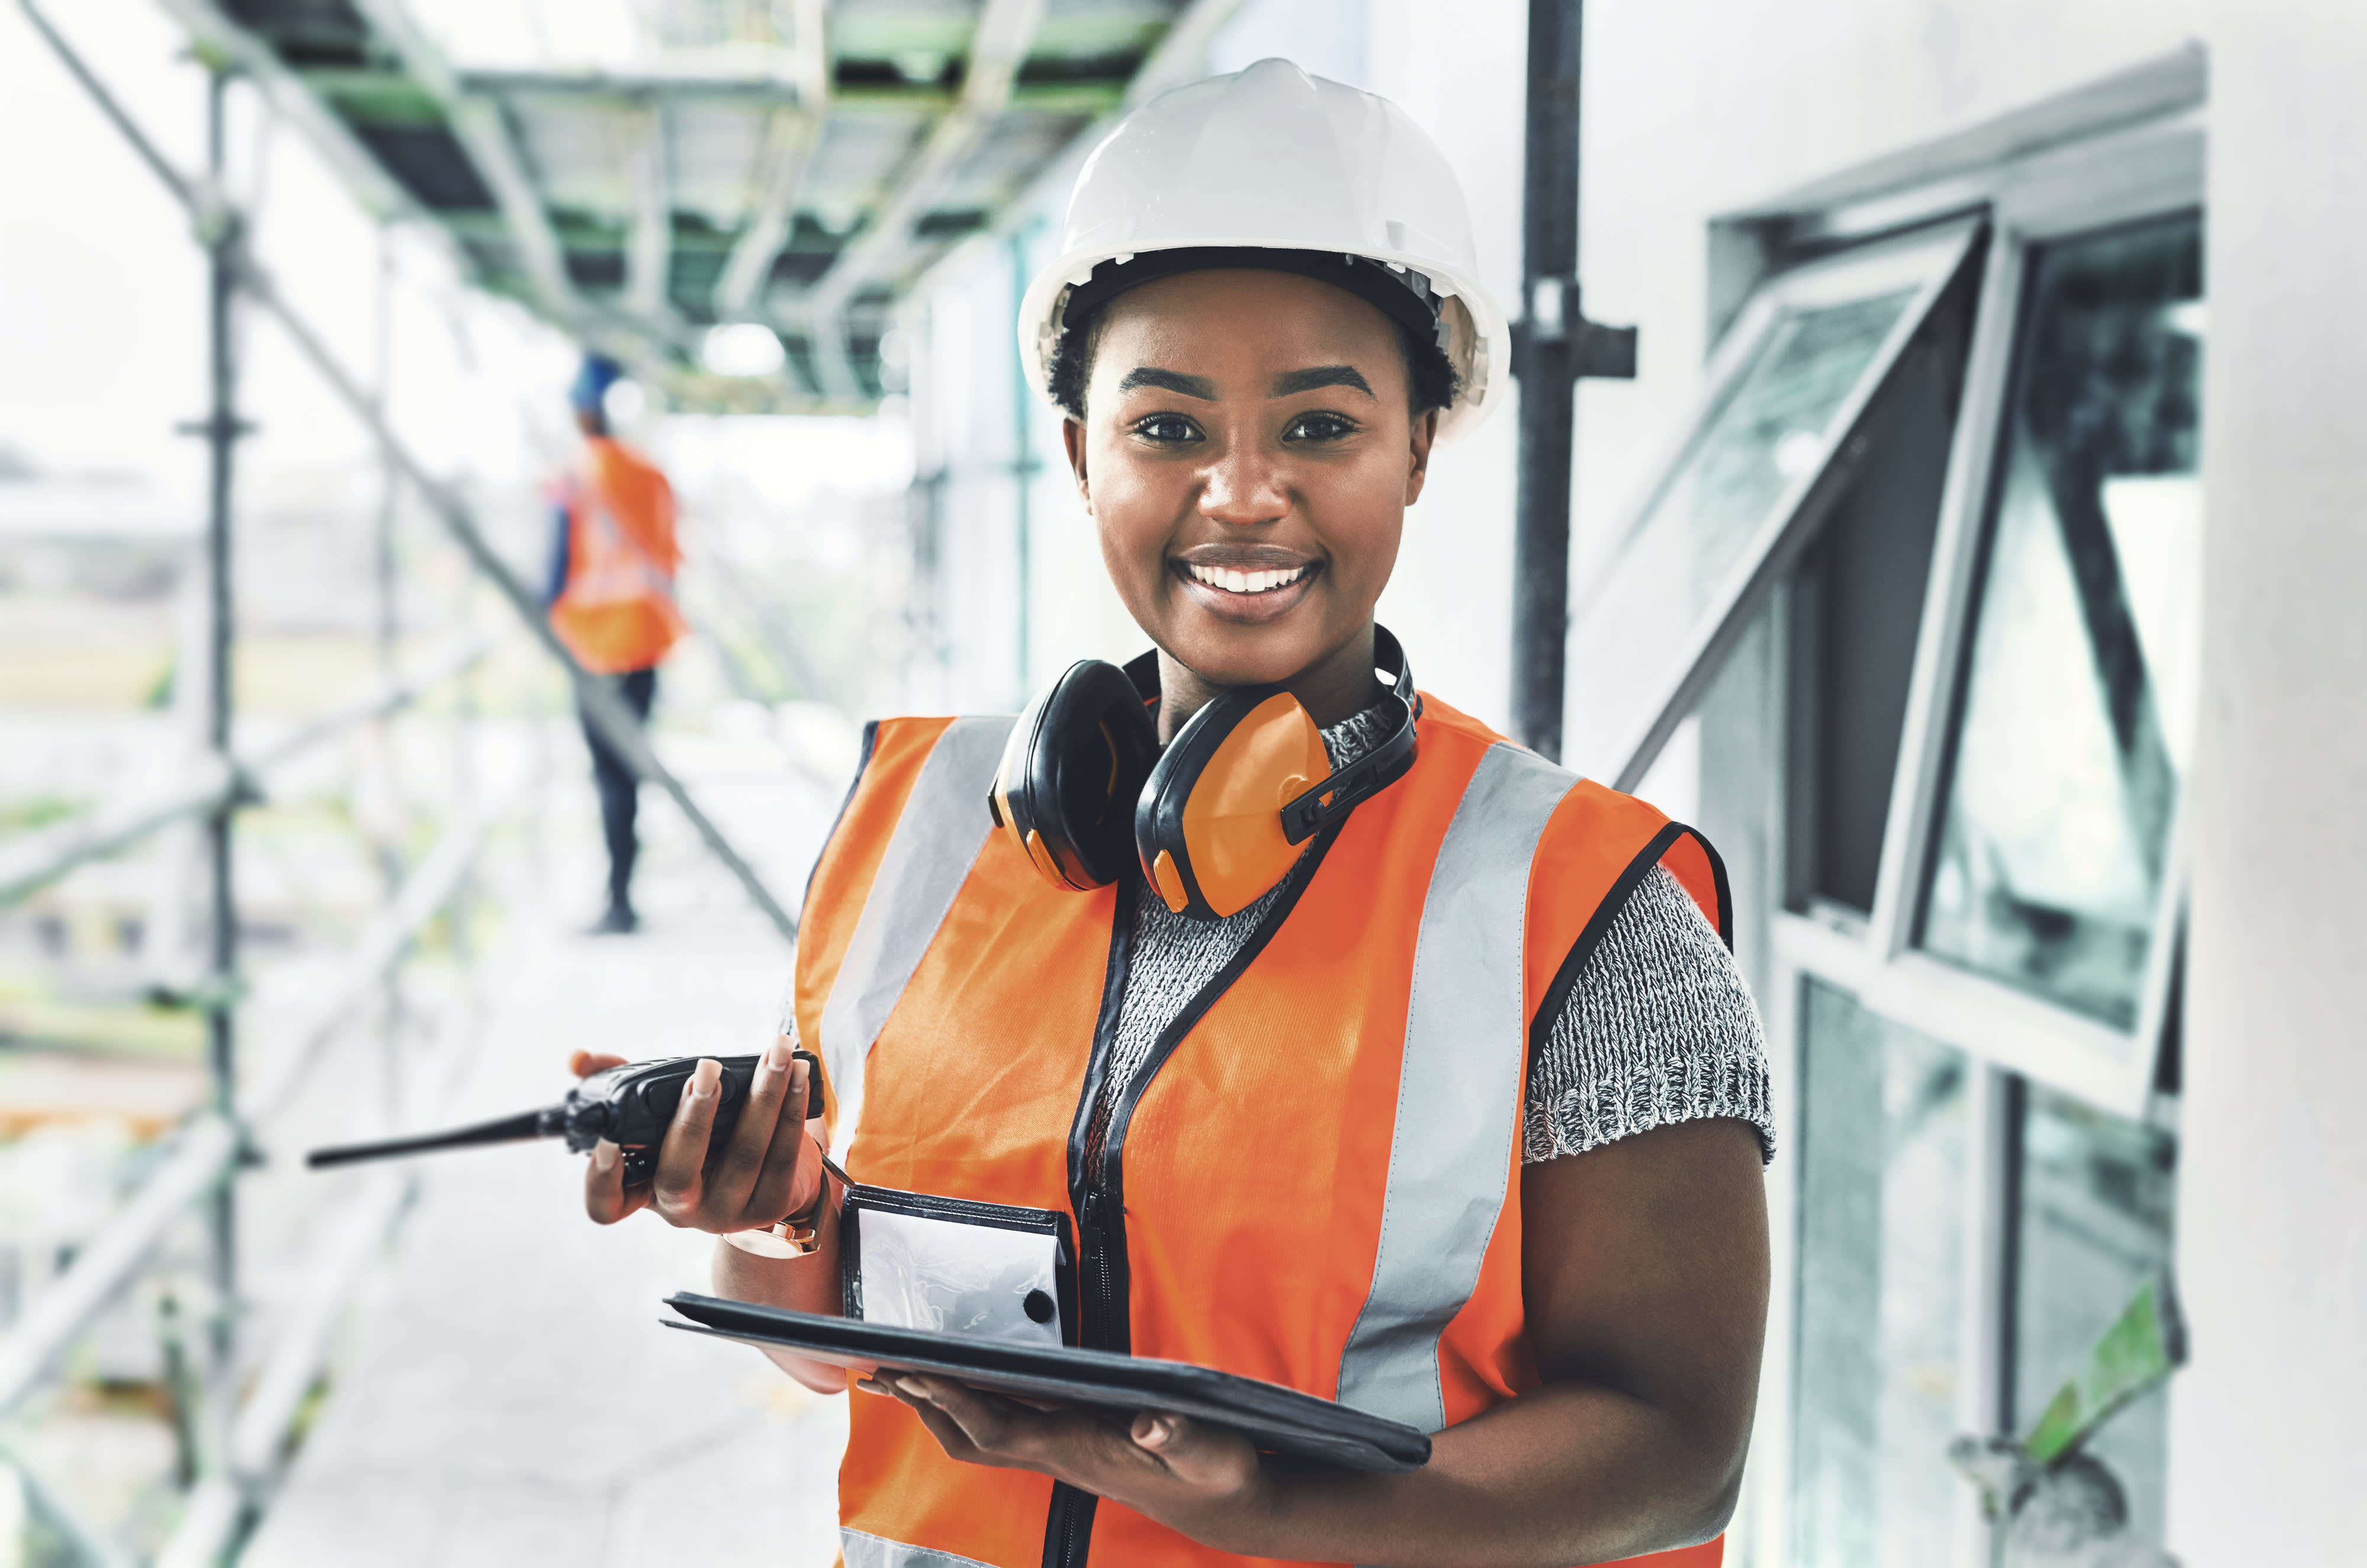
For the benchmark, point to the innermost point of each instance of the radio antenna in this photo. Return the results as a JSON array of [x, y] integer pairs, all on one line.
[[508, 1130]]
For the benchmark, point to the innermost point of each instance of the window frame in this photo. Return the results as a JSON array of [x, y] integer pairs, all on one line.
[[2127, 148], [1930, 254], [2151, 171]]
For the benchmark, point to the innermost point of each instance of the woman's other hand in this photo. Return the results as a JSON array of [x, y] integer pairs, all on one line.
[[1644, 1267], [1204, 1481], [763, 1174]]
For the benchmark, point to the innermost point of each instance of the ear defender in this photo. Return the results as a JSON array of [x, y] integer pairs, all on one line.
[[1071, 772], [1209, 826], [1216, 820]]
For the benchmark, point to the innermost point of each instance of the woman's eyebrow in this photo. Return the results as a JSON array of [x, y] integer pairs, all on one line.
[[1307, 381], [1198, 387]]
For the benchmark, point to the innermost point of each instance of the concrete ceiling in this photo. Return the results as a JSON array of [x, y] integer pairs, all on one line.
[[796, 164]]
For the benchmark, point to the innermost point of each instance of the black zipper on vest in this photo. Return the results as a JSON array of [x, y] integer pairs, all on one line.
[[1099, 1194]]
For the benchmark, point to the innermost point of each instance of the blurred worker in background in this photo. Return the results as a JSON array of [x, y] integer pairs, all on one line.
[[611, 597]]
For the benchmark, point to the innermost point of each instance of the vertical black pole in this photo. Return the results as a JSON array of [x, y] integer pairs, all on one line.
[[1544, 358], [222, 431]]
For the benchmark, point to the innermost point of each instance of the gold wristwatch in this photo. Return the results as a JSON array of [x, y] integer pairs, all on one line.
[[800, 1233]]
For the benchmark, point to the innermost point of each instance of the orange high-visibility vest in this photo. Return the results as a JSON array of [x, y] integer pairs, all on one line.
[[616, 611], [1319, 1185]]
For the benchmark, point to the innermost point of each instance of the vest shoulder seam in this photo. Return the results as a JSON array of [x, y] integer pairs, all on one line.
[[1614, 898]]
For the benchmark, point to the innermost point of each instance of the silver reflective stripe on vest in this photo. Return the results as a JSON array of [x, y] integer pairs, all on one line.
[[865, 1550], [1458, 1090], [942, 828]]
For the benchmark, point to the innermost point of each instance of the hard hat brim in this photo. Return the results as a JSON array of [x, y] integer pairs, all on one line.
[[1478, 344]]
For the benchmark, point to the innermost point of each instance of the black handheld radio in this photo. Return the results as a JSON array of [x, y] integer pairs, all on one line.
[[631, 1106]]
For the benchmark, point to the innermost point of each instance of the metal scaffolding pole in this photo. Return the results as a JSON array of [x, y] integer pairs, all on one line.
[[603, 709], [387, 831], [386, 603], [1554, 344], [221, 430]]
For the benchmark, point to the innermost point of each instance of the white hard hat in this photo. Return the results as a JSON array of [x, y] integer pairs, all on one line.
[[1270, 158]]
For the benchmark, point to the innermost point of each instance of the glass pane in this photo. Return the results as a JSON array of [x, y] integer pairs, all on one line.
[[2080, 687], [1856, 611], [1884, 1148], [2094, 1226], [1775, 425]]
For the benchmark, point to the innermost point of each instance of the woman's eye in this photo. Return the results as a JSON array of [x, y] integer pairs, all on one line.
[[1166, 428], [1319, 427]]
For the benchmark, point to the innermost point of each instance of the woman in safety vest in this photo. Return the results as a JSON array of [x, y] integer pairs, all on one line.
[[1367, 1052]]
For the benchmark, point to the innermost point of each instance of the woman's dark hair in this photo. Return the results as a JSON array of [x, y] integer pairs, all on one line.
[[1431, 381]]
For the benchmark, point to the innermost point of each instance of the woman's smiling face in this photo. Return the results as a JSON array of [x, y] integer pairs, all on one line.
[[1247, 456]]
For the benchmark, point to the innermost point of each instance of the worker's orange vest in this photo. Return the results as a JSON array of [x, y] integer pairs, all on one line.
[[1319, 1184], [617, 611]]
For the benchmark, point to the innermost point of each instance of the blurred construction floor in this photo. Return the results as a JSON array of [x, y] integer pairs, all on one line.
[[509, 1396]]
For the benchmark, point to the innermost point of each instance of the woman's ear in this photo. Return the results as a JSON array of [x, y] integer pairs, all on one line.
[[1072, 437], [1424, 432]]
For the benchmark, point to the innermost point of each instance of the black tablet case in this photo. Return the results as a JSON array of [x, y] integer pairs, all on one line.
[[1279, 1420]]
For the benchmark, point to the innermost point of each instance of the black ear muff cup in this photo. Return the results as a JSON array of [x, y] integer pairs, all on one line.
[[1071, 773]]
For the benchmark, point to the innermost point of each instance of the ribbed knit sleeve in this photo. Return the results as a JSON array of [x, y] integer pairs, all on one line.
[[1660, 1029]]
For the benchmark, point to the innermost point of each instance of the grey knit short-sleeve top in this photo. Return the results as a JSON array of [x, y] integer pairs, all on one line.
[[1658, 1028]]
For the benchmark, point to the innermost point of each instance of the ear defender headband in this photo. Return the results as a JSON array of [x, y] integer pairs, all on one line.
[[1217, 819]]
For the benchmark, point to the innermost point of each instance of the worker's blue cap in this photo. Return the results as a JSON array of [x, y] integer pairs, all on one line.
[[593, 381]]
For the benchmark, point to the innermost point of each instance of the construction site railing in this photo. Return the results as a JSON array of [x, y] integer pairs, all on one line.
[[208, 1145], [208, 1142], [207, 1148], [241, 1446], [215, 782]]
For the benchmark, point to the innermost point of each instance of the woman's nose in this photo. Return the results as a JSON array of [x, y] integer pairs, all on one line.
[[1243, 489]]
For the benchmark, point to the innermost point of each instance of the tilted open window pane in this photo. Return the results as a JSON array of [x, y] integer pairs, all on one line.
[[1884, 1145], [1805, 356], [2078, 690], [1855, 612]]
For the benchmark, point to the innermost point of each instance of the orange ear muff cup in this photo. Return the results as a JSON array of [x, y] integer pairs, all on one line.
[[1213, 810], [1232, 816]]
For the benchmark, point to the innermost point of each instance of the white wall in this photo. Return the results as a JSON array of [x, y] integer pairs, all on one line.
[[1451, 597], [2270, 1436]]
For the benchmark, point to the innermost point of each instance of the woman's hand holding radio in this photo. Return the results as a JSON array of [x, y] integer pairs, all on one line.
[[762, 1175]]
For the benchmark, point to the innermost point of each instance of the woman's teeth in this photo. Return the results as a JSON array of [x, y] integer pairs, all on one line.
[[1245, 581]]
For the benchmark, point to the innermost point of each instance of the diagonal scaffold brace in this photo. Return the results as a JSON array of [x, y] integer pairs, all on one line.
[[211, 213]]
